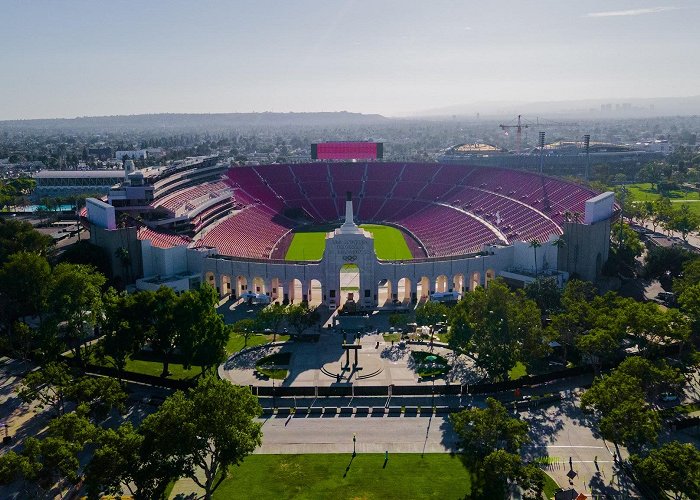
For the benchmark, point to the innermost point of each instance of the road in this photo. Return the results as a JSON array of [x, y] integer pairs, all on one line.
[[374, 435]]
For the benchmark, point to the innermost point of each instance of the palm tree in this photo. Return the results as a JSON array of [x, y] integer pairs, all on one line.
[[535, 244], [122, 253], [560, 243]]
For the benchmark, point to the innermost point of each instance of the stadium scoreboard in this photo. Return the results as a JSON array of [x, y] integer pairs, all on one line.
[[347, 151]]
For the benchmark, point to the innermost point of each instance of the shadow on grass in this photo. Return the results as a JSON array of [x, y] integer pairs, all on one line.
[[347, 469]]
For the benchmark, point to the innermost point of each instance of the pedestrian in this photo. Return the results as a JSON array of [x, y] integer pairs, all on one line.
[[386, 455], [571, 464]]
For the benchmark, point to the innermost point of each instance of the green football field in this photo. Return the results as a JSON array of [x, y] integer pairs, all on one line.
[[389, 243]]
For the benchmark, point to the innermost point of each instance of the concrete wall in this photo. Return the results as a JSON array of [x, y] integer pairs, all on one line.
[[585, 249], [110, 241]]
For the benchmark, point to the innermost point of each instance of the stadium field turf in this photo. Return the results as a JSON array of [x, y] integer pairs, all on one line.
[[389, 243]]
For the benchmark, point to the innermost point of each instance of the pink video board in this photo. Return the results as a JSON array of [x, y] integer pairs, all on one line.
[[346, 151]]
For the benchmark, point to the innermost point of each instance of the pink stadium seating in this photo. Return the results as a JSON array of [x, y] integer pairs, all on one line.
[[450, 209]]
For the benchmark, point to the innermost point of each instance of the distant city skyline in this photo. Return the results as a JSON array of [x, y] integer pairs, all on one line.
[[94, 58]]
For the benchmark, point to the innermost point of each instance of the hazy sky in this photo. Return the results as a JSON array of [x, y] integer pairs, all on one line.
[[76, 58]]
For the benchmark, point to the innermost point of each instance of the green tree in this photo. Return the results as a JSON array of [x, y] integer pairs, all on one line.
[[124, 257], [19, 236], [461, 329], [661, 262], [211, 428], [673, 467], [272, 317], [163, 331], [625, 246], [301, 316], [684, 221], [501, 328], [484, 430], [546, 294], [84, 252], [690, 302], [535, 244], [202, 333], [48, 386], [122, 460], [599, 345], [23, 290], [631, 423], [124, 326], [98, 395], [663, 212], [501, 467], [246, 328], [42, 463], [653, 326], [398, 320], [620, 399], [75, 302], [689, 277], [431, 312]]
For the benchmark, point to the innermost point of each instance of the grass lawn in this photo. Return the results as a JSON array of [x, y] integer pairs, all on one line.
[[694, 206], [519, 370], [391, 337], [143, 363], [389, 243], [155, 368], [550, 486], [643, 192], [236, 342], [405, 476], [149, 364]]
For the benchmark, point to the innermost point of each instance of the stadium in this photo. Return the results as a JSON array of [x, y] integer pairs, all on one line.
[[380, 234]]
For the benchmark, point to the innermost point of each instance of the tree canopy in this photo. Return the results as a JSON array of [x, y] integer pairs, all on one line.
[[673, 467], [210, 428], [509, 329], [622, 400]]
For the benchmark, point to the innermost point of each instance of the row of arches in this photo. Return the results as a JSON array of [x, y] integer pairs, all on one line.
[[275, 288], [350, 286], [405, 291]]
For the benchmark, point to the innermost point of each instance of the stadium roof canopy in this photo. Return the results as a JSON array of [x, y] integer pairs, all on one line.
[[78, 174]]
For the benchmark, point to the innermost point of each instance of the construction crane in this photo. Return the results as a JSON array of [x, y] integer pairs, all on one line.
[[518, 133], [520, 125]]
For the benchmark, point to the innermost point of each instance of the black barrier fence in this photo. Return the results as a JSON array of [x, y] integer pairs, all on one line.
[[530, 380], [438, 389]]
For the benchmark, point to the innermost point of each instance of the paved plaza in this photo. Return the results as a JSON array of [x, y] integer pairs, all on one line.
[[324, 363]]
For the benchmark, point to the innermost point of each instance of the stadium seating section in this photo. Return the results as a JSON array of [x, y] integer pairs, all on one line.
[[449, 209]]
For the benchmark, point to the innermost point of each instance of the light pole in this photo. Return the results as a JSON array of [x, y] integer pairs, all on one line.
[[587, 146]]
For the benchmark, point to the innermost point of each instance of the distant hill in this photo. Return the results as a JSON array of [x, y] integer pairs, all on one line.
[[581, 108], [184, 121]]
